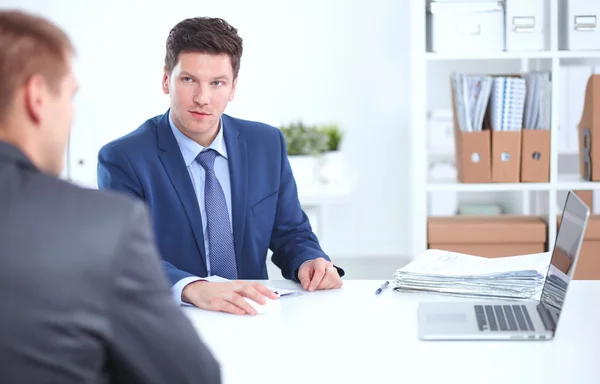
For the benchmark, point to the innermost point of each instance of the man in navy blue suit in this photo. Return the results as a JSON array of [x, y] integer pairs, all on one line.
[[220, 189]]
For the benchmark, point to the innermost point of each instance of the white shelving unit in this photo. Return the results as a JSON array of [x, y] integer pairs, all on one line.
[[421, 70]]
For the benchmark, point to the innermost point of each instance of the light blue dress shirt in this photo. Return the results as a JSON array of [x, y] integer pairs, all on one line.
[[190, 150]]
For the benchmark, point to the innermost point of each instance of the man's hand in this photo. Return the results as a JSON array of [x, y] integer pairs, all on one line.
[[226, 297], [319, 274]]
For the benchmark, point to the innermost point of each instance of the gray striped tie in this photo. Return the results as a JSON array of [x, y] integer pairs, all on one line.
[[220, 238]]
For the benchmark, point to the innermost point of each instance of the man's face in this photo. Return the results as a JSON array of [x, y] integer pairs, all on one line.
[[200, 86]]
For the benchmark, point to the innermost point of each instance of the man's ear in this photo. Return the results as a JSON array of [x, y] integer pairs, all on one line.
[[233, 86], [34, 91], [165, 80]]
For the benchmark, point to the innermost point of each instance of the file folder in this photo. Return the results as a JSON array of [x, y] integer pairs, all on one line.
[[589, 132], [506, 113], [472, 149], [535, 155], [506, 156]]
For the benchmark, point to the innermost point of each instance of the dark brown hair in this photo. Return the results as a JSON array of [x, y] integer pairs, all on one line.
[[30, 45], [206, 35]]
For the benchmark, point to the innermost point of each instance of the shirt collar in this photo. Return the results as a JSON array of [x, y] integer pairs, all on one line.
[[190, 149]]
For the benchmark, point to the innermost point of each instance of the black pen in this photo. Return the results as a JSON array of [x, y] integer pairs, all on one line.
[[383, 286]]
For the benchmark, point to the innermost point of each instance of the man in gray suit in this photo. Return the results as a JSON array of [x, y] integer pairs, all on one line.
[[82, 294]]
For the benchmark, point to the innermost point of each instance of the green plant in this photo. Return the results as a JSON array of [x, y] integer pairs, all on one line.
[[334, 136], [303, 139]]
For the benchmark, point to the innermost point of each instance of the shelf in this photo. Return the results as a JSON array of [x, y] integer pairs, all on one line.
[[435, 56], [503, 55], [435, 152], [578, 54], [575, 182], [565, 182], [450, 185]]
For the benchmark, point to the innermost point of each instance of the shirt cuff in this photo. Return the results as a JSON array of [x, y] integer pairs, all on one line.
[[178, 287]]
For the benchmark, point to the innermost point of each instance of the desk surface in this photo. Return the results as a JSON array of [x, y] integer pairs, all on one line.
[[353, 336]]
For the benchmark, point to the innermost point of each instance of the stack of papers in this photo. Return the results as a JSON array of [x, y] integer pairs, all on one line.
[[471, 95], [514, 277]]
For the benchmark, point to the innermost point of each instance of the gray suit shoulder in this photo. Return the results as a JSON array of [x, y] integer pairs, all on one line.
[[88, 204]]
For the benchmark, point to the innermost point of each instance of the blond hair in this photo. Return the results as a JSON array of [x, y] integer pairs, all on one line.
[[30, 45]]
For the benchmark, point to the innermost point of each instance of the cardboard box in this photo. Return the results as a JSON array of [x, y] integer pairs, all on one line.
[[473, 156], [535, 155], [472, 151], [587, 197], [589, 132], [488, 236], [588, 265], [506, 156]]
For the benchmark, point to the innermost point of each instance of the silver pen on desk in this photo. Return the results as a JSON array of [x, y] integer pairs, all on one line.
[[383, 286]]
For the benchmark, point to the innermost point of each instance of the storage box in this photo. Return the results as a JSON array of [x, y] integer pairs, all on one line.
[[488, 236], [472, 151], [535, 155], [525, 25], [578, 25], [588, 264], [465, 26], [587, 197], [506, 156], [589, 132]]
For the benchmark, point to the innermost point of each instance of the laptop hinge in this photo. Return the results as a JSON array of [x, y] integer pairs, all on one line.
[[546, 316]]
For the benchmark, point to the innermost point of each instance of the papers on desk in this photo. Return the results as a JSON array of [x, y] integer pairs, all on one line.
[[282, 292], [515, 277]]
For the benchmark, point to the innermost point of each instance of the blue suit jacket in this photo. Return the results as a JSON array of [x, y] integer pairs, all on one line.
[[266, 212]]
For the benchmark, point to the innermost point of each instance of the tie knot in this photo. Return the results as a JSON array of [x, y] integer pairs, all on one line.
[[207, 158]]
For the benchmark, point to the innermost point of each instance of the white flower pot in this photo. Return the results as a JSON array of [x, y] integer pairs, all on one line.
[[333, 168], [305, 170]]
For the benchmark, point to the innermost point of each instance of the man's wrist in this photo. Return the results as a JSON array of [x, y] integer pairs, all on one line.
[[186, 293]]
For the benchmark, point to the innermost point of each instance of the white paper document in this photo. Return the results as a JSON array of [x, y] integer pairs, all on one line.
[[514, 277], [282, 292], [438, 262]]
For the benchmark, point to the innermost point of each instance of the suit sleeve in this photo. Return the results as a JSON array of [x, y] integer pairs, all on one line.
[[152, 340], [116, 173], [292, 241]]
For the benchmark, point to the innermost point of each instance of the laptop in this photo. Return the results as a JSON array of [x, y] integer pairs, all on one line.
[[514, 320]]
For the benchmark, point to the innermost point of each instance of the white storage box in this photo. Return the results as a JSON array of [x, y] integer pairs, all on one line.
[[440, 130], [579, 25], [465, 27], [525, 25]]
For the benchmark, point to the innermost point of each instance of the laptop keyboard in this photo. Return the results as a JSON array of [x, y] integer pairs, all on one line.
[[503, 318]]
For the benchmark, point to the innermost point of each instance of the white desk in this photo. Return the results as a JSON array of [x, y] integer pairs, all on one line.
[[353, 336]]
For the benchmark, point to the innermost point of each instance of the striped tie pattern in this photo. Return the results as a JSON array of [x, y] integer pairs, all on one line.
[[220, 238]]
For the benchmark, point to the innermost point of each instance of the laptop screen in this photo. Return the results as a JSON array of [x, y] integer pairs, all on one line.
[[565, 253]]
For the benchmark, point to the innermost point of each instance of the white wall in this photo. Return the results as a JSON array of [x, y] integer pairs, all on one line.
[[318, 60]]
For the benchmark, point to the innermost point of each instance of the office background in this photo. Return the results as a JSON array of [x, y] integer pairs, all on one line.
[[361, 65], [319, 61]]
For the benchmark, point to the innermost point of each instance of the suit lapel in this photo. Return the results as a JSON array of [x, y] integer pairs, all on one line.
[[172, 160], [238, 173]]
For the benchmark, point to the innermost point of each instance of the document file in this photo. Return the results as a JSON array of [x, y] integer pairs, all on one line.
[[471, 95], [514, 277]]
